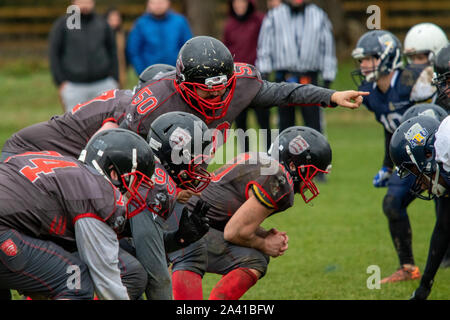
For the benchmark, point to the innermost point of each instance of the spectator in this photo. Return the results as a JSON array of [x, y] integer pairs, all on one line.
[[83, 59], [241, 37], [296, 41], [157, 36], [273, 4], [114, 19]]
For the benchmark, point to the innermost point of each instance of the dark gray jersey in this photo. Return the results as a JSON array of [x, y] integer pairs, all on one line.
[[164, 193], [43, 194], [68, 134], [157, 97], [229, 188]]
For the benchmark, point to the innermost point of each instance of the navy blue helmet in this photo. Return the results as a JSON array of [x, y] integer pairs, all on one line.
[[426, 109], [412, 151], [382, 45]]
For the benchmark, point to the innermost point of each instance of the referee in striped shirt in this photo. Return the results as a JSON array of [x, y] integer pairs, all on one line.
[[296, 41]]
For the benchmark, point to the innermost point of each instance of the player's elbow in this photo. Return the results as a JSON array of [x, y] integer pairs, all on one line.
[[238, 235], [230, 233]]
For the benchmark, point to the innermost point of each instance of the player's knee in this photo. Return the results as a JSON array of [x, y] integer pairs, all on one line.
[[257, 273], [134, 278], [256, 264], [392, 208]]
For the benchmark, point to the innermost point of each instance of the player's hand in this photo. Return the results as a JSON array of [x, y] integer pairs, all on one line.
[[275, 244], [421, 293], [194, 226], [283, 234], [184, 195], [348, 99], [382, 177]]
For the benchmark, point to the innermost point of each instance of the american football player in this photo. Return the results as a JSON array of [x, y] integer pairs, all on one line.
[[381, 72], [67, 134], [242, 194], [173, 136], [420, 148], [422, 42], [209, 84], [52, 205]]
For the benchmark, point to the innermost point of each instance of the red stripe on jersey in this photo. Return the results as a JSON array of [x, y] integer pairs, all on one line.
[[86, 215], [238, 160], [109, 120]]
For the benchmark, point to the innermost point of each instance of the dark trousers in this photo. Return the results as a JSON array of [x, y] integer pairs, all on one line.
[[312, 115], [263, 117]]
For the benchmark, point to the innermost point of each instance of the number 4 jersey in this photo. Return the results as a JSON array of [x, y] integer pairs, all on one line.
[[43, 194]]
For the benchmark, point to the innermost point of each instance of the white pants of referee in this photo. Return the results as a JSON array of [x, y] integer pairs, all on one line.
[[74, 93]]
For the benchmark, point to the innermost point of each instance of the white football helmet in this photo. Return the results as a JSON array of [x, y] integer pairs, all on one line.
[[424, 38]]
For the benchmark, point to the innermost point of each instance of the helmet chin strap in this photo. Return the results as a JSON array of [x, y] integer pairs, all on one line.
[[437, 188]]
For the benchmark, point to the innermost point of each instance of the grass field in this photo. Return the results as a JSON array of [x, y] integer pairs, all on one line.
[[331, 243]]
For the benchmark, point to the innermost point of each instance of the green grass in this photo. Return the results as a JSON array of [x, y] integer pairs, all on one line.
[[332, 242]]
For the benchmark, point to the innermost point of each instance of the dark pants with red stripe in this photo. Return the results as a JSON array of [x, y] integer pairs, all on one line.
[[32, 266], [39, 267], [312, 115]]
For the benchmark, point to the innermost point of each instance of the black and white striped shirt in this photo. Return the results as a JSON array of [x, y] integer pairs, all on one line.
[[297, 42]]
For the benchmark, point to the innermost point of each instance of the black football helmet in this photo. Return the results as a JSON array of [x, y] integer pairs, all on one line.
[[182, 142], [412, 151], [154, 71], [426, 109], [304, 152], [382, 45], [442, 77], [130, 157], [205, 63]]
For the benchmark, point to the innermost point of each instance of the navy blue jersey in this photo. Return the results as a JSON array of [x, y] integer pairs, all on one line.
[[389, 107]]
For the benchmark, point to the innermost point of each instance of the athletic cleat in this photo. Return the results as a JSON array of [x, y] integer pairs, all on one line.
[[406, 272]]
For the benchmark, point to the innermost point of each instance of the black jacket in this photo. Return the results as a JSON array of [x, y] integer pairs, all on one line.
[[82, 55]]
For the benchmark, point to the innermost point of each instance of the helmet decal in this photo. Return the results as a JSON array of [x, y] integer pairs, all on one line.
[[416, 135], [298, 145]]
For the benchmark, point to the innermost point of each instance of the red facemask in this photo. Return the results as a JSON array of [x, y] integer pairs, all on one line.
[[196, 178], [139, 189], [211, 109], [307, 174]]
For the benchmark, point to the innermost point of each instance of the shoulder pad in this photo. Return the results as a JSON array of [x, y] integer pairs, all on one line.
[[246, 70]]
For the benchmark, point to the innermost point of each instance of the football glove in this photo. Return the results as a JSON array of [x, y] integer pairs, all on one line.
[[382, 177], [191, 228]]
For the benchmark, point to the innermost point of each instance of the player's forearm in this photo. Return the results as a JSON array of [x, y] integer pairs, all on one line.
[[98, 248], [285, 94], [245, 239]]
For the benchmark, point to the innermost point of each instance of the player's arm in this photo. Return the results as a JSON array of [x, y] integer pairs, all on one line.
[[244, 228], [285, 94], [106, 126], [98, 247]]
